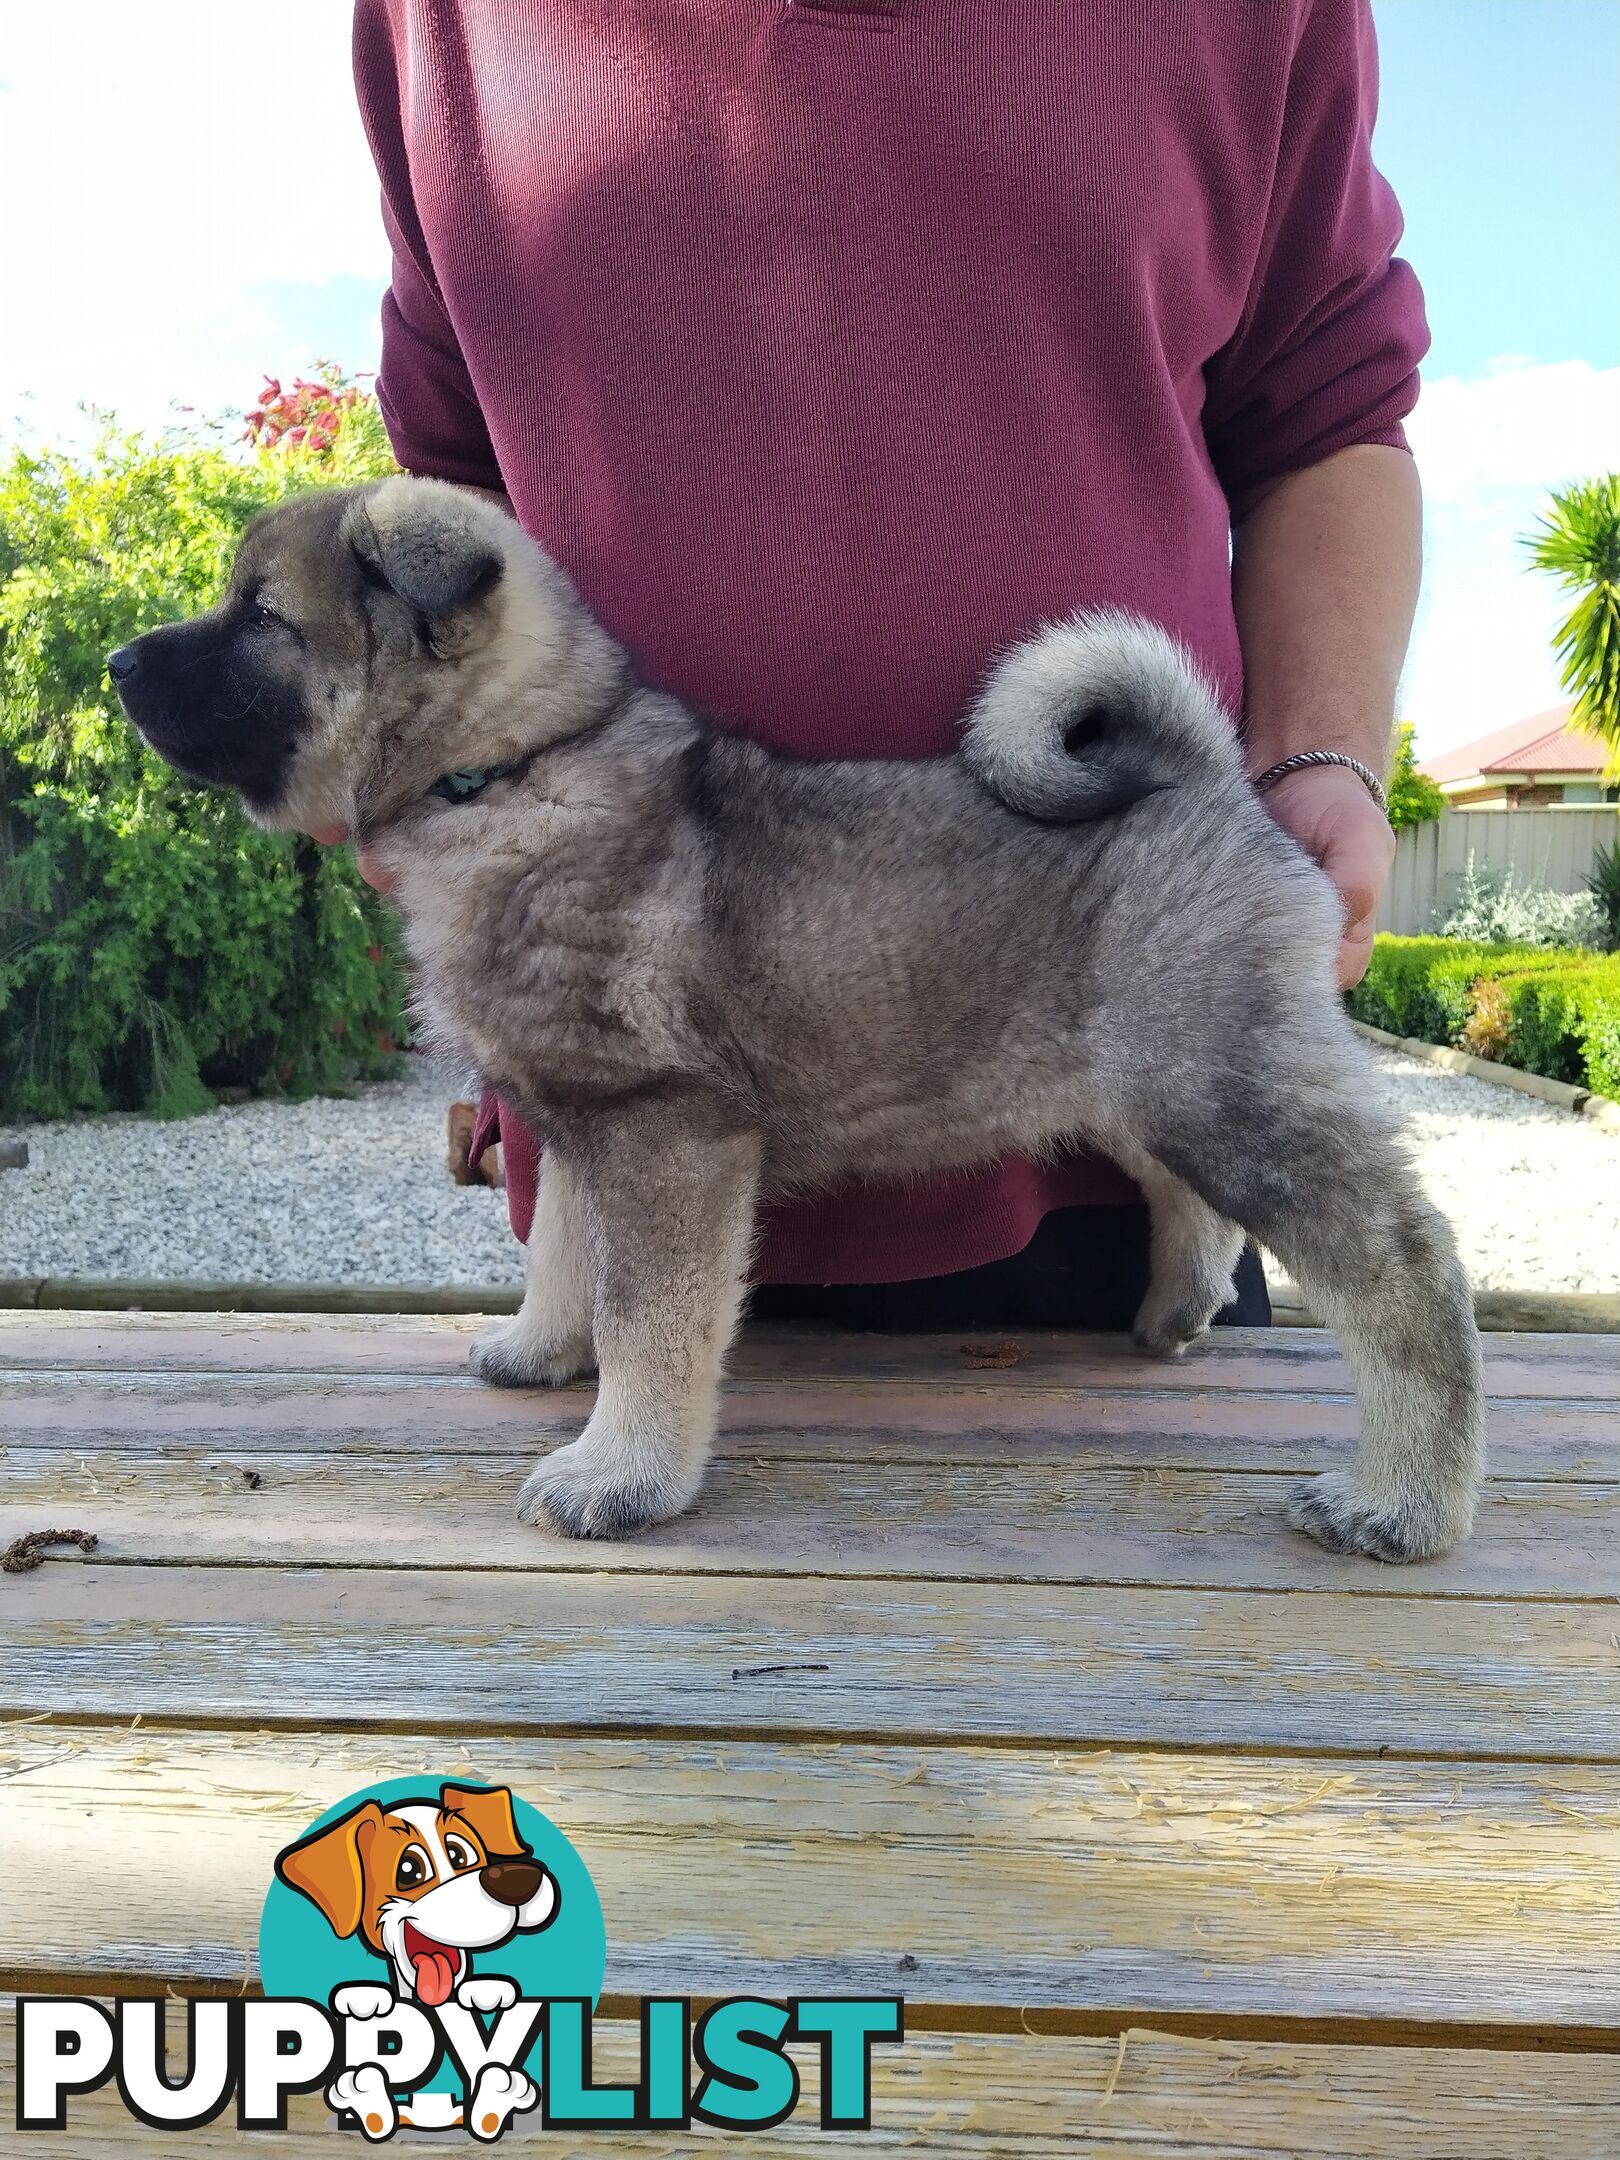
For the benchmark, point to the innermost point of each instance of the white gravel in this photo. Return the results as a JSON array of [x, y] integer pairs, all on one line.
[[322, 1191], [1533, 1192], [358, 1192]]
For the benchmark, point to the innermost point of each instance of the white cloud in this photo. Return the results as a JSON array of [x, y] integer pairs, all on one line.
[[1490, 451], [163, 164]]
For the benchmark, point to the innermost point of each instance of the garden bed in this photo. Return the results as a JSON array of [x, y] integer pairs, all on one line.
[[1552, 1012]]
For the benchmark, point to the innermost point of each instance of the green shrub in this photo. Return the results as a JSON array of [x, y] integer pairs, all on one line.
[[1421, 986], [1549, 1012], [153, 944], [1414, 799], [1566, 1024], [1604, 886], [1492, 908]]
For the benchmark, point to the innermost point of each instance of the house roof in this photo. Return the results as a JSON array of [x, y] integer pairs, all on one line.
[[1541, 744]]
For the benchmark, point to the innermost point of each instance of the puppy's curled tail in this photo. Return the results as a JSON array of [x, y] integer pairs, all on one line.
[[1093, 714]]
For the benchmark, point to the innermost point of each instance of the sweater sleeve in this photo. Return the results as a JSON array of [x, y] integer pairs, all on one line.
[[429, 404], [1326, 351]]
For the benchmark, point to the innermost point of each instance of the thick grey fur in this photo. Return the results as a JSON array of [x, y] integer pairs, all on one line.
[[704, 971]]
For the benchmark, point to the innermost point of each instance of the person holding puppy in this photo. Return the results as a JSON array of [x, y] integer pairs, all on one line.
[[834, 346]]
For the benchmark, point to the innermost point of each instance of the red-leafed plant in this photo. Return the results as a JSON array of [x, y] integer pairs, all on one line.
[[314, 414]]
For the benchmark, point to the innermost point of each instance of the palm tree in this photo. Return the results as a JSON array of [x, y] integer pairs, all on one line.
[[1579, 542]]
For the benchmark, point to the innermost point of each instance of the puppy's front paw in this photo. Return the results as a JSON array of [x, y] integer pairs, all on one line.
[[1335, 1511], [362, 1999], [364, 2094], [486, 1992], [512, 1354], [595, 1488]]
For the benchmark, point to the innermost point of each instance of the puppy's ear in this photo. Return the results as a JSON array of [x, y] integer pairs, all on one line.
[[490, 1814], [329, 1867], [429, 544]]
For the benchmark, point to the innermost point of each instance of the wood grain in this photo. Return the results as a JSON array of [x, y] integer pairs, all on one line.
[[974, 1521], [1007, 1689], [1266, 1359], [1131, 1881], [971, 1661], [1142, 2097], [872, 1423]]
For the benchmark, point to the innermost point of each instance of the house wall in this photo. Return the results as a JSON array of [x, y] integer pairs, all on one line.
[[1485, 795], [1552, 847]]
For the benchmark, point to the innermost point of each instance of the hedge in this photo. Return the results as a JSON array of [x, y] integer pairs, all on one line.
[[155, 946], [1551, 1012]]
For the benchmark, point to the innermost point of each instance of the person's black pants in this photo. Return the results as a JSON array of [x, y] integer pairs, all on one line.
[[1085, 1267]]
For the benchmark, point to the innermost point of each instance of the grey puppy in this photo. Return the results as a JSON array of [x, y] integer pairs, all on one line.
[[705, 971]]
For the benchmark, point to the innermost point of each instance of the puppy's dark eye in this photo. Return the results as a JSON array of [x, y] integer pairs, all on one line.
[[413, 1869], [261, 617], [460, 1856], [461, 786]]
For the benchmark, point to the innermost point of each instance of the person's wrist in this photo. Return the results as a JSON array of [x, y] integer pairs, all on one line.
[[1265, 777]]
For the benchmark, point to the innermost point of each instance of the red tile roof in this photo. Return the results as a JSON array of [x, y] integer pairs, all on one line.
[[1541, 744]]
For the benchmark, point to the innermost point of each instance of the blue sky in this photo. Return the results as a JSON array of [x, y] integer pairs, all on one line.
[[1500, 130], [207, 210], [1499, 126]]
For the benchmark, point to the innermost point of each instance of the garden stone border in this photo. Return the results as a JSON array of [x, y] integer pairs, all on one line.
[[1600, 1109], [85, 1293], [1527, 1312]]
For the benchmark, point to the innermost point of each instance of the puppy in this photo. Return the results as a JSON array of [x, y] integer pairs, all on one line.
[[704, 971]]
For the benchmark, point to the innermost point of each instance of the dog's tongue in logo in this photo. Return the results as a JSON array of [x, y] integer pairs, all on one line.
[[435, 1966]]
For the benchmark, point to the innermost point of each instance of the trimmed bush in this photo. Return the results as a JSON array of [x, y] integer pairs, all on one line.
[[1549, 1012], [153, 944]]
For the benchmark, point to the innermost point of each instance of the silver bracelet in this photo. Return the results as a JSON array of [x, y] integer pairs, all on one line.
[[1301, 759]]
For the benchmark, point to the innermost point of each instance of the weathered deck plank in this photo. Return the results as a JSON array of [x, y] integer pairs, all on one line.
[[1017, 1662], [971, 1521], [1144, 2096], [1263, 1359], [1440, 1894], [944, 1422]]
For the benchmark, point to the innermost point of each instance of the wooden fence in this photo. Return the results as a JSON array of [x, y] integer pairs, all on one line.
[[1551, 847]]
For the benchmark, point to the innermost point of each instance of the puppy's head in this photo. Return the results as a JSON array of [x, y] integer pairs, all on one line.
[[368, 649], [424, 1882]]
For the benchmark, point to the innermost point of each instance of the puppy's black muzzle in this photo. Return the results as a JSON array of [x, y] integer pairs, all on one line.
[[207, 710], [167, 684]]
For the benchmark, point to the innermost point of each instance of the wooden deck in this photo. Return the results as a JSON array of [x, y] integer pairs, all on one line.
[[1007, 1690]]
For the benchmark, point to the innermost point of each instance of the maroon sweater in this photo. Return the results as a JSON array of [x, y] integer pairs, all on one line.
[[833, 344]]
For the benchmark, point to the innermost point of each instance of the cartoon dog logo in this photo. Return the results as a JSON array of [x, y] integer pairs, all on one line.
[[423, 1884]]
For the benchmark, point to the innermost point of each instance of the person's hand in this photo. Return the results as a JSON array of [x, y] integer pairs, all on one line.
[[1334, 819], [370, 868]]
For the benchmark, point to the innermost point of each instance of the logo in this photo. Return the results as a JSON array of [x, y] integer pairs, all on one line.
[[431, 1953]]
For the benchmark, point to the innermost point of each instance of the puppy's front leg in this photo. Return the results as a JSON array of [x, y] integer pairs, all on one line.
[[547, 1342], [669, 1204]]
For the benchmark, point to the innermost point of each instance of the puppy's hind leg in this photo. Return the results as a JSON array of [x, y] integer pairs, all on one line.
[[1192, 1256], [669, 1201], [1306, 1168], [547, 1342], [1380, 1265]]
